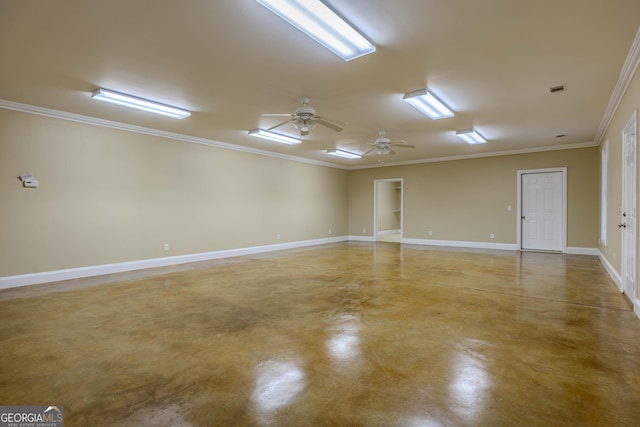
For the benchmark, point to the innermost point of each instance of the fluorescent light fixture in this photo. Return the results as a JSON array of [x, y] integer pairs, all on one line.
[[139, 103], [322, 24], [345, 154], [273, 136], [471, 136], [425, 102]]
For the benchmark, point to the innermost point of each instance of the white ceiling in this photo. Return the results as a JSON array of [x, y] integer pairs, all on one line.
[[228, 61]]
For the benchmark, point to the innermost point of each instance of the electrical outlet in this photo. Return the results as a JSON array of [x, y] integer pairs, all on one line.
[[278, 236], [364, 230], [166, 247], [329, 231], [430, 233], [491, 236], [508, 208]]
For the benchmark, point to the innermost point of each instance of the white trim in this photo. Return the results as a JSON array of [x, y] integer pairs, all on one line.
[[48, 112], [461, 244], [97, 270], [624, 80], [604, 182], [361, 239], [582, 251], [564, 203], [375, 204], [630, 128], [388, 232], [479, 155], [615, 276]]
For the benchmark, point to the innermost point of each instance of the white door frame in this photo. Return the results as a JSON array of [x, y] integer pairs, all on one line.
[[375, 205], [630, 129], [564, 203]]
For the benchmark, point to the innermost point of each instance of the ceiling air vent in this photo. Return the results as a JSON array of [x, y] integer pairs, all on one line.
[[555, 89]]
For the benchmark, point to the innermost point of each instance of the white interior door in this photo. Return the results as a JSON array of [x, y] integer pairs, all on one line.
[[628, 220], [542, 211]]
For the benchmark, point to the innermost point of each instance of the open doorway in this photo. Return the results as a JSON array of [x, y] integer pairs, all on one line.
[[387, 214]]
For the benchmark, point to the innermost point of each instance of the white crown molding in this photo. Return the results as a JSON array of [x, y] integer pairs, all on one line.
[[480, 155], [49, 112], [42, 111], [626, 75]]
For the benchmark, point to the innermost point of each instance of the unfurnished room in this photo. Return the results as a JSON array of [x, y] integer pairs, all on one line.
[[319, 212]]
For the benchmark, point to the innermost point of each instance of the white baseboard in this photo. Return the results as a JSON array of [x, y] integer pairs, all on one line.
[[462, 244], [582, 251], [615, 276], [97, 270], [387, 232], [361, 239]]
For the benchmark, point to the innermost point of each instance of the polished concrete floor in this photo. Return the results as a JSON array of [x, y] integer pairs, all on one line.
[[375, 334]]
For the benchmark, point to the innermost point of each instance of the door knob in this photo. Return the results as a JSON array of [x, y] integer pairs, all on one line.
[[623, 225], [522, 217]]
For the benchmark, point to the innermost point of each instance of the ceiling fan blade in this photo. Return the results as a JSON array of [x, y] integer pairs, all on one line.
[[399, 141], [277, 115], [400, 144], [392, 152], [304, 132], [367, 152], [280, 124], [336, 125]]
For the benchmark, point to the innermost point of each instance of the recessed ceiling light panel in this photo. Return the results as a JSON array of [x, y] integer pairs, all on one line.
[[322, 24], [344, 154], [471, 136], [274, 136], [139, 103], [425, 102]]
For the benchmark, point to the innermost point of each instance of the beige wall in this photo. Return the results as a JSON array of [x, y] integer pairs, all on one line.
[[466, 200], [110, 196], [629, 105]]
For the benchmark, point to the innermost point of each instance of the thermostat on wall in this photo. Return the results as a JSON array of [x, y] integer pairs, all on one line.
[[28, 180]]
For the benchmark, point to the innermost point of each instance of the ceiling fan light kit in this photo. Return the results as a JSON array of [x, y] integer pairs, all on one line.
[[383, 145], [471, 136], [344, 154], [131, 101], [304, 119], [425, 102], [322, 24], [274, 136]]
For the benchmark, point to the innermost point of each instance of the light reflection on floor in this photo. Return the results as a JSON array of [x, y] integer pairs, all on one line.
[[277, 385], [344, 334], [470, 381], [344, 344]]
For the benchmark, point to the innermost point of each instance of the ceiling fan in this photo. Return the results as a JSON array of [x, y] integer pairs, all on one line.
[[304, 119], [384, 145]]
